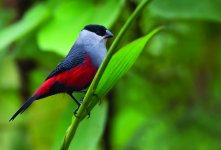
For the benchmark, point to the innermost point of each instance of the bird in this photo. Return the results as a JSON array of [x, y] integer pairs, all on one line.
[[77, 70]]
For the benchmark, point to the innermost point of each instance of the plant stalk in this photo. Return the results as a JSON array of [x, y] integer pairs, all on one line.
[[76, 120]]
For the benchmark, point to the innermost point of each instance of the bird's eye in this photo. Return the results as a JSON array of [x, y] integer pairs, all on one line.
[[98, 32]]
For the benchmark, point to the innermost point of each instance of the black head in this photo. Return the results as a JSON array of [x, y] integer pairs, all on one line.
[[98, 29]]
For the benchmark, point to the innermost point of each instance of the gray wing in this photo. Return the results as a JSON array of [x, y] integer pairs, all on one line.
[[74, 58]]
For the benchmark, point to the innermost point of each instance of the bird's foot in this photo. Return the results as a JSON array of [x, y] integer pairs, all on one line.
[[76, 110]]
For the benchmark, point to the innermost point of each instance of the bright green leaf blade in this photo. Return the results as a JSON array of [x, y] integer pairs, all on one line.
[[187, 9], [69, 19], [30, 21], [121, 62]]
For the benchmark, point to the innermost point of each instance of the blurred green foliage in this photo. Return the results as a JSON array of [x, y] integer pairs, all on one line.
[[170, 99]]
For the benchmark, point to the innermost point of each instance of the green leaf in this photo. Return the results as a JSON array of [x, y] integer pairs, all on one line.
[[69, 19], [30, 21], [121, 62], [187, 9]]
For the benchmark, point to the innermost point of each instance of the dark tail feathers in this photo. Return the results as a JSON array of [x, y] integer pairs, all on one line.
[[24, 107]]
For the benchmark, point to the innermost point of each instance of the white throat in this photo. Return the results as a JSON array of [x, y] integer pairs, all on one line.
[[94, 45]]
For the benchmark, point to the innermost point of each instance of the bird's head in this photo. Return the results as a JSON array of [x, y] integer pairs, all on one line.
[[95, 34]]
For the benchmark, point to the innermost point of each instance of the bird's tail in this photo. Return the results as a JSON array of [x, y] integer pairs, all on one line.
[[24, 107]]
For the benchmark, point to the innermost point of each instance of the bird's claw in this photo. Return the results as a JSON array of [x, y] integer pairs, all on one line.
[[76, 110], [80, 102]]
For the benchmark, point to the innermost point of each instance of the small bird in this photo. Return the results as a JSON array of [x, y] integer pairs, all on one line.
[[77, 70]]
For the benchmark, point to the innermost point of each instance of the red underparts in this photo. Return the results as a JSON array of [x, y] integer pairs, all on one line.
[[74, 79]]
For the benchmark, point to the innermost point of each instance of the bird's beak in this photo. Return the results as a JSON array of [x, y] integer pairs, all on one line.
[[108, 34]]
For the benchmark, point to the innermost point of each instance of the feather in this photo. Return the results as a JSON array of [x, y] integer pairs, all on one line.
[[74, 58], [24, 107]]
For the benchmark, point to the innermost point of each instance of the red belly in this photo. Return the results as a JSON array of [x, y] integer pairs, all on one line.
[[74, 79], [79, 77]]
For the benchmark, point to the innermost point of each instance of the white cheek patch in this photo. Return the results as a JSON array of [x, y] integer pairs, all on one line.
[[89, 36], [94, 45]]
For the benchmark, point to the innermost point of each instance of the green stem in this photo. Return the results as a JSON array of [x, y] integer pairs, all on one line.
[[76, 120]]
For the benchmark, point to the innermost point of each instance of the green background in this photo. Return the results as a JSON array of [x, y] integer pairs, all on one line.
[[170, 99]]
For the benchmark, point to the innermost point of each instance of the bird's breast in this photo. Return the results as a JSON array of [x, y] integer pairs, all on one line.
[[80, 76], [97, 54]]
